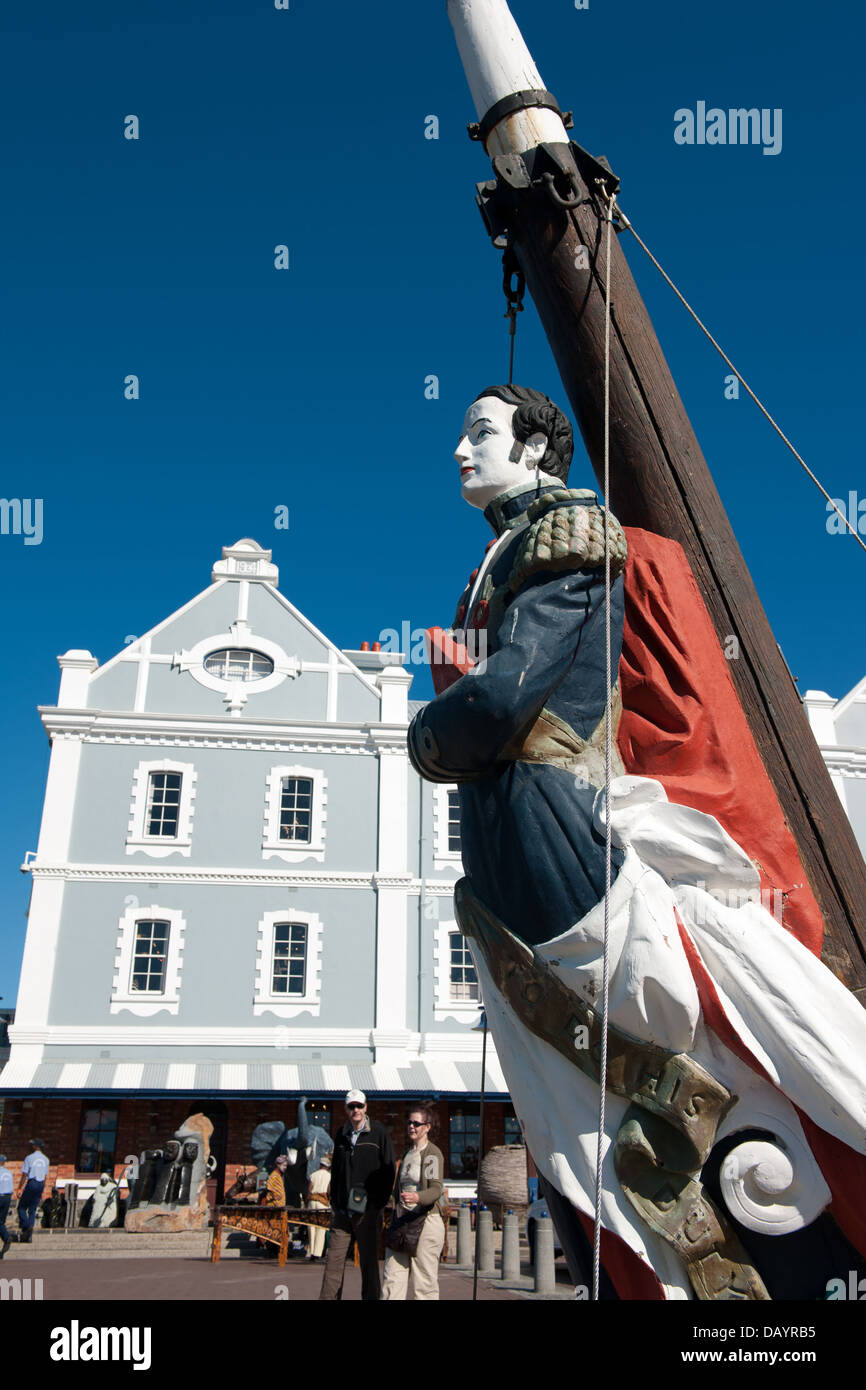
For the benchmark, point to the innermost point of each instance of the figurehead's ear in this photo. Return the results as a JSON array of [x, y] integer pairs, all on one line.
[[534, 449]]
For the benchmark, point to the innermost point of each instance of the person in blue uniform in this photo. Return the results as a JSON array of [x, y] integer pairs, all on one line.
[[522, 733], [34, 1171]]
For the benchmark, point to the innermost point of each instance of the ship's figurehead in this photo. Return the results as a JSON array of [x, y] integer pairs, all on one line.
[[736, 1107]]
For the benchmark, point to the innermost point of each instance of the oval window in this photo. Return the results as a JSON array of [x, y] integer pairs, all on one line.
[[238, 664]]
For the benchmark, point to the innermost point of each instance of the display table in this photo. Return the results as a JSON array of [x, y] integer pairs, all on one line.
[[269, 1223]]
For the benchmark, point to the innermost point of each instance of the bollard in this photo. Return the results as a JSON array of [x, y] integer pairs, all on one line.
[[464, 1235], [510, 1246], [71, 1195], [545, 1274], [484, 1240]]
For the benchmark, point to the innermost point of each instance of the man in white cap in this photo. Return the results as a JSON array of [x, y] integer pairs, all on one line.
[[362, 1176]]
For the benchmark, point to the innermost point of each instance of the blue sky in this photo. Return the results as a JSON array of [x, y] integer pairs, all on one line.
[[305, 388]]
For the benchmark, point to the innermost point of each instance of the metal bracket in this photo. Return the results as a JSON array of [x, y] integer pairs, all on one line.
[[551, 163], [539, 170], [593, 168], [516, 101], [490, 205]]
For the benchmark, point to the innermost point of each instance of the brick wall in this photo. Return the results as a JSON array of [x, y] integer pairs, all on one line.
[[54, 1120], [144, 1124]]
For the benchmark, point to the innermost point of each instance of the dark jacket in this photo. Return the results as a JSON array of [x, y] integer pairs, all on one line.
[[369, 1164], [523, 734]]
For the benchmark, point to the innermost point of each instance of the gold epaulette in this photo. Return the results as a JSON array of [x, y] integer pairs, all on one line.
[[566, 532]]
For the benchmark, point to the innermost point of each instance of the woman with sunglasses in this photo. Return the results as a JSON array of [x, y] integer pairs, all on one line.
[[417, 1231]]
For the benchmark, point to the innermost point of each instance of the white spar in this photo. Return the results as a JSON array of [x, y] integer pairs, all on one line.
[[497, 64]]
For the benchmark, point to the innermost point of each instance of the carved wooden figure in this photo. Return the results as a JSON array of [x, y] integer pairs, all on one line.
[[736, 1108]]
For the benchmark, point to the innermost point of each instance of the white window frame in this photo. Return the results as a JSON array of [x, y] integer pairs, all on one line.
[[288, 1005], [123, 997], [151, 970], [251, 679], [236, 693], [464, 1010], [443, 857], [297, 935], [293, 851], [160, 846]]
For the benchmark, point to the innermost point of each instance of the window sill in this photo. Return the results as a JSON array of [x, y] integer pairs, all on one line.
[[142, 1006], [293, 854], [287, 1007], [159, 847], [463, 1011], [448, 861]]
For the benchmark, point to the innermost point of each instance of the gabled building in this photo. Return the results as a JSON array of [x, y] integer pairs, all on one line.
[[241, 893]]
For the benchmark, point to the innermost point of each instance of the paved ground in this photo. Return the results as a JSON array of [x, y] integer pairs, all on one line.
[[249, 1279], [113, 1266]]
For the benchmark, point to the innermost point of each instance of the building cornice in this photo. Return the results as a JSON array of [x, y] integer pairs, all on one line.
[[165, 1035], [255, 877], [204, 731], [847, 762], [403, 881], [278, 1037], [466, 1045]]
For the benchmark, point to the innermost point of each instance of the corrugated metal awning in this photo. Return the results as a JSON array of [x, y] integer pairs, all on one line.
[[435, 1075]]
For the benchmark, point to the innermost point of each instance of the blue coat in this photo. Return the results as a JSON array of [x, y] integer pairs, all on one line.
[[523, 734]]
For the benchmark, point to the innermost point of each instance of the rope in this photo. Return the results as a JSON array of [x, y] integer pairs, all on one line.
[[608, 759], [802, 462]]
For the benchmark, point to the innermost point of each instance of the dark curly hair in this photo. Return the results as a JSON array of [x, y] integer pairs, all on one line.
[[536, 414]]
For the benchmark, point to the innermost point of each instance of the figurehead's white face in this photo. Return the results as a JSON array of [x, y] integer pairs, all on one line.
[[490, 459]]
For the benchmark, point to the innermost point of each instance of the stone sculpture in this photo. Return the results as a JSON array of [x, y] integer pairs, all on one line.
[[244, 1189], [170, 1192], [735, 1099], [303, 1144], [106, 1203], [54, 1210]]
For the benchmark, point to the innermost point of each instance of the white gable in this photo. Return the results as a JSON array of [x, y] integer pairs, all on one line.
[[180, 666]]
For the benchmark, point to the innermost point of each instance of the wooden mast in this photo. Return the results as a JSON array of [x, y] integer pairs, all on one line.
[[660, 481]]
